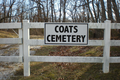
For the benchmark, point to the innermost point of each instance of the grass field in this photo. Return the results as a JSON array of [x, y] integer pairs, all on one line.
[[70, 71]]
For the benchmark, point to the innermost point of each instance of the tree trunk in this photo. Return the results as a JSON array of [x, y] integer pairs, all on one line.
[[109, 10], [98, 11], [46, 20], [64, 12], [103, 11], [4, 6], [94, 10], [90, 11], [60, 12], [52, 7], [116, 11]]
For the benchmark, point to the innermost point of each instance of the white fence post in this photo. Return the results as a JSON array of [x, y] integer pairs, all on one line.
[[26, 47], [106, 52], [21, 46]]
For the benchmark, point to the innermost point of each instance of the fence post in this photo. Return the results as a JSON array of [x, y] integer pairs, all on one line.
[[21, 46], [106, 52], [26, 47]]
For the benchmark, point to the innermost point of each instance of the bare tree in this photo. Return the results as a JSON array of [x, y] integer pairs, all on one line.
[[60, 11], [98, 11], [47, 10], [116, 10], [109, 10], [93, 4], [52, 9], [64, 12], [7, 13], [103, 11], [46, 20], [90, 11]]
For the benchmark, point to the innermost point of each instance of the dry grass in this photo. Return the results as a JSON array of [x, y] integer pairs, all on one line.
[[36, 36], [69, 71], [5, 34]]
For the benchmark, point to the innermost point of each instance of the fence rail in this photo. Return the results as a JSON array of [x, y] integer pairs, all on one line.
[[10, 25], [25, 43], [10, 40], [11, 58]]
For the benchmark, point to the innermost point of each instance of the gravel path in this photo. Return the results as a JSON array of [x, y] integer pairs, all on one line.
[[7, 69]]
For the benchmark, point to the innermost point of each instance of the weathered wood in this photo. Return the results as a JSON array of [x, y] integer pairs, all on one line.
[[10, 41], [10, 25], [11, 58]]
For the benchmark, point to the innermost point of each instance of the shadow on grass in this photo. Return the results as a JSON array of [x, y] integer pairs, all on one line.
[[95, 73], [51, 71]]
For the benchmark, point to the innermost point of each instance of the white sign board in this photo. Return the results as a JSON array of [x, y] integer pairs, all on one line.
[[66, 33]]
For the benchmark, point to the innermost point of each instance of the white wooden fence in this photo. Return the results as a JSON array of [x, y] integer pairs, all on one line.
[[24, 43]]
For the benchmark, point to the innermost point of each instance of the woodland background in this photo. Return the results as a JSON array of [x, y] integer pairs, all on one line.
[[60, 11]]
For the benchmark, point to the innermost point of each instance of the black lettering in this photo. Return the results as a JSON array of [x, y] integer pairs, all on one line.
[[61, 29], [58, 38], [76, 30], [78, 38], [66, 29], [83, 37], [70, 29], [53, 38], [68, 37], [56, 29], [64, 38], [73, 38], [48, 38]]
